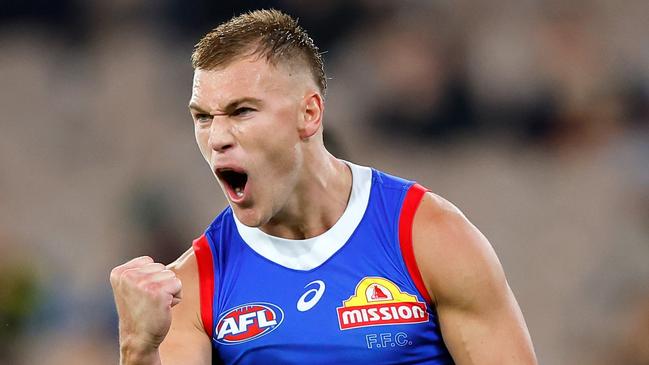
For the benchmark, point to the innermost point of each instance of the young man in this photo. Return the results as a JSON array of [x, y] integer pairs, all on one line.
[[316, 260]]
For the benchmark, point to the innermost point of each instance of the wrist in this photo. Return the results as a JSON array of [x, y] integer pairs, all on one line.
[[137, 352]]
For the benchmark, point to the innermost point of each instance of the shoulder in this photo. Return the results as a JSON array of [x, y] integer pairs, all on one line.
[[453, 256], [185, 267], [187, 314], [187, 341], [439, 216]]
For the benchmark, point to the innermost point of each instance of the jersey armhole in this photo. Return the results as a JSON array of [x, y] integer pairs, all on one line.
[[413, 197], [205, 281]]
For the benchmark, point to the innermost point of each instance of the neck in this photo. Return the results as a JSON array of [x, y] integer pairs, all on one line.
[[319, 199]]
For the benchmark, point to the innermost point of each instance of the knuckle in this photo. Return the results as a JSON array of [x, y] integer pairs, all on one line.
[[169, 274], [129, 274], [142, 260], [118, 274], [143, 283], [114, 275], [155, 266], [147, 288], [151, 287]]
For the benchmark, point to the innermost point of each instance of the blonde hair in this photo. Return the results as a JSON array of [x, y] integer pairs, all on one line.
[[267, 33]]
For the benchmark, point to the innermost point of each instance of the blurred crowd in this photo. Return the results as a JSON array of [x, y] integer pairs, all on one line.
[[531, 116]]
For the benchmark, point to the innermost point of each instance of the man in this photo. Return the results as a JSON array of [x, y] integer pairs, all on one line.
[[316, 260]]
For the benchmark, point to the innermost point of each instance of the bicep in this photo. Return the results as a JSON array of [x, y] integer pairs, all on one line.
[[486, 333], [481, 322], [185, 344]]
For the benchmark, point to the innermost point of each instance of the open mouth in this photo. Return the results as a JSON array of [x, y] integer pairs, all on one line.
[[235, 182]]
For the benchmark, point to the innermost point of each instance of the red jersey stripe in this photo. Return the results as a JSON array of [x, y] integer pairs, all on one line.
[[206, 281], [411, 202]]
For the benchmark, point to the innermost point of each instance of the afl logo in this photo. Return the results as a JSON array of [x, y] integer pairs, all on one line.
[[248, 322]]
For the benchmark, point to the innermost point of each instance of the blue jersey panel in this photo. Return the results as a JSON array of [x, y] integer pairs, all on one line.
[[358, 305]]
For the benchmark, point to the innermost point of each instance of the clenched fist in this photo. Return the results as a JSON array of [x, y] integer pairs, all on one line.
[[144, 293]]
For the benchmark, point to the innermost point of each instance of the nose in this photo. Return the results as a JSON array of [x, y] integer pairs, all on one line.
[[221, 138]]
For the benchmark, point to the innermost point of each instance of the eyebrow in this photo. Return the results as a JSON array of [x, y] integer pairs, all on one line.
[[229, 107], [197, 108]]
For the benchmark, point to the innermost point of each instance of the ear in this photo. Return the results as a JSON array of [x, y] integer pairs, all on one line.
[[312, 112]]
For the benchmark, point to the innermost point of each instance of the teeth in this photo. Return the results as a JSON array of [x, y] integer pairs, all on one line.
[[239, 192]]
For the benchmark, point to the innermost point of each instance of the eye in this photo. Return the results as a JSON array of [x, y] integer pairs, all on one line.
[[203, 118], [243, 111]]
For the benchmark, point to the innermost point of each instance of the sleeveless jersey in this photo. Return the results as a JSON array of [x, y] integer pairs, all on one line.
[[352, 294]]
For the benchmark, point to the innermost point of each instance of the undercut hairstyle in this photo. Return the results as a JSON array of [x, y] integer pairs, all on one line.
[[266, 33]]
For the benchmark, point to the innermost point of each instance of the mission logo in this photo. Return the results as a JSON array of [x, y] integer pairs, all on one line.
[[248, 322], [378, 301]]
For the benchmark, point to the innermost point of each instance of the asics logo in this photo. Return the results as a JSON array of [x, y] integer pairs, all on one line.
[[304, 304]]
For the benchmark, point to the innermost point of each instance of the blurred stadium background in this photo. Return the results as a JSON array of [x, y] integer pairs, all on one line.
[[531, 116]]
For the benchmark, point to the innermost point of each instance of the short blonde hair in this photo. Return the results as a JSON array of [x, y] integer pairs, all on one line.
[[267, 33]]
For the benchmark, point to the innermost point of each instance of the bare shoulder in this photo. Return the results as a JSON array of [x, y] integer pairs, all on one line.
[[186, 269], [452, 254], [186, 342], [185, 266], [477, 310]]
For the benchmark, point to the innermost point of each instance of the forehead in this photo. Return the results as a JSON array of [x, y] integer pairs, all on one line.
[[247, 77]]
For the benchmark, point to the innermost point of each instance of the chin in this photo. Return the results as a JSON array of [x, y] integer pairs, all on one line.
[[248, 216]]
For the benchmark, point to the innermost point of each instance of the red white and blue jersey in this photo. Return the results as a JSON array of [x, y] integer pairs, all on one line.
[[352, 294]]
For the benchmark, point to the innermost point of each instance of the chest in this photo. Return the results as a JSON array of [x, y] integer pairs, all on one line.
[[359, 306]]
